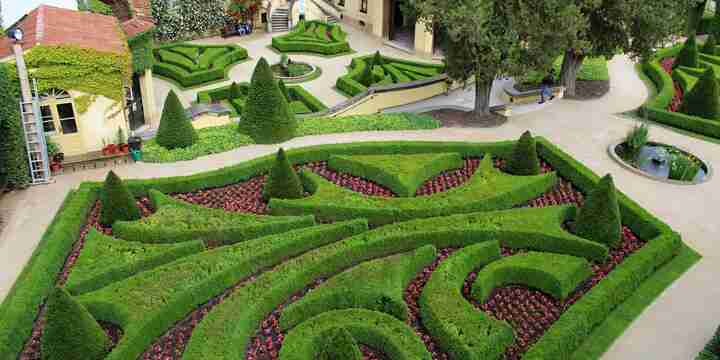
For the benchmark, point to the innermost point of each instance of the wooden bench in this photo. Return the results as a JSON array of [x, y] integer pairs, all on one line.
[[515, 96]]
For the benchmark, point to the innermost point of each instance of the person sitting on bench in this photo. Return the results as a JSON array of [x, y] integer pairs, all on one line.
[[545, 87]]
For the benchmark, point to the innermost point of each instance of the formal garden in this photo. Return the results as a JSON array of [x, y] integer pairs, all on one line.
[[191, 65], [315, 37]]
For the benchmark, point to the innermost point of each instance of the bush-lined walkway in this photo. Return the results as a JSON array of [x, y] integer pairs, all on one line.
[[676, 326]]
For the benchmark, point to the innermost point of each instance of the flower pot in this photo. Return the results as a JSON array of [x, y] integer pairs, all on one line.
[[112, 149], [55, 166], [124, 148]]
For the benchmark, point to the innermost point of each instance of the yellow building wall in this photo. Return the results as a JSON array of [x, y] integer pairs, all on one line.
[[378, 102]]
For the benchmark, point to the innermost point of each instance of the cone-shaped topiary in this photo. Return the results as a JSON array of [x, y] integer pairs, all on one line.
[[599, 219], [283, 182], [524, 159], [337, 343], [284, 90], [377, 59], [267, 117], [366, 77], [70, 331], [703, 99], [14, 170], [235, 92], [688, 55], [118, 204], [175, 130], [709, 45]]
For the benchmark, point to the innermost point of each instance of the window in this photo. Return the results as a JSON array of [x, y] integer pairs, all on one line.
[[363, 6], [57, 113], [341, 3]]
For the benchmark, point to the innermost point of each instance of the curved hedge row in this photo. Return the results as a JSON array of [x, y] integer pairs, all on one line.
[[460, 329], [488, 189], [555, 274], [177, 221], [104, 260], [378, 330], [377, 285], [655, 108], [314, 37], [301, 101], [392, 71], [403, 174], [191, 65], [146, 304]]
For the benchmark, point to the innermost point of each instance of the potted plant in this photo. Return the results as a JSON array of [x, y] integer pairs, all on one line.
[[54, 155], [123, 147]]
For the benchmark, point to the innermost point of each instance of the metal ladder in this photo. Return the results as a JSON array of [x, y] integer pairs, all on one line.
[[35, 142]]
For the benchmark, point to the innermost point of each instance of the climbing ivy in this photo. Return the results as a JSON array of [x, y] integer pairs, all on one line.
[[141, 47], [183, 19], [90, 71]]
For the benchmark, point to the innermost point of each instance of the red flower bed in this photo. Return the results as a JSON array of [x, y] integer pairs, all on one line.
[[667, 65]]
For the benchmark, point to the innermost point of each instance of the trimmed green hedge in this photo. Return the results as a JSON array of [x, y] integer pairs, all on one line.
[[313, 37], [176, 221], [380, 331], [392, 71], [377, 285], [488, 189], [555, 274], [298, 94], [460, 329], [146, 304], [104, 260], [403, 174], [192, 65]]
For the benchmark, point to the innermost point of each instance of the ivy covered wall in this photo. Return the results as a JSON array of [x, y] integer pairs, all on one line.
[[14, 170], [185, 19], [141, 49]]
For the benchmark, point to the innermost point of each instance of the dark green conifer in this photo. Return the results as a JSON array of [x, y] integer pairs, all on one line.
[[283, 182], [176, 129], [703, 99], [118, 203], [599, 219], [688, 55], [524, 159]]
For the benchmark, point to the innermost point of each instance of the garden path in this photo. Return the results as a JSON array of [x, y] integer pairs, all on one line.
[[675, 327]]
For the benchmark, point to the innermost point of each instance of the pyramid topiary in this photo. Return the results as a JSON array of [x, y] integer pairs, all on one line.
[[377, 59], [267, 117], [688, 55], [70, 331], [118, 204], [14, 170], [283, 182], [175, 130], [366, 77], [337, 343], [524, 159], [235, 92], [709, 45], [702, 100], [599, 219], [284, 90]]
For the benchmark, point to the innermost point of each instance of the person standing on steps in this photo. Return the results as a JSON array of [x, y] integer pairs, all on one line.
[[546, 87]]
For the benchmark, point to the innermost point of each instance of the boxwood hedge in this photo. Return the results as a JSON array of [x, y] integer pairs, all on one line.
[[192, 65], [313, 37]]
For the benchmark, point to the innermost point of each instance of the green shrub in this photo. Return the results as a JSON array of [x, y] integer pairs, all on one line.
[[599, 219], [235, 91], [337, 343], [267, 117], [636, 139], [688, 55], [193, 65], [524, 160], [366, 77], [70, 331], [703, 100], [14, 170], [118, 204], [283, 182], [555, 274], [712, 349], [312, 37], [175, 130], [284, 90]]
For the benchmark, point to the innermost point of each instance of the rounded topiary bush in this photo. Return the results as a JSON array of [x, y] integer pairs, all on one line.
[[118, 203], [235, 92], [688, 55], [175, 130], [599, 219], [337, 343], [524, 159], [283, 182], [267, 117], [703, 99], [70, 331]]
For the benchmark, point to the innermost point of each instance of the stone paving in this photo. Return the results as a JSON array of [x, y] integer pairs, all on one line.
[[675, 327]]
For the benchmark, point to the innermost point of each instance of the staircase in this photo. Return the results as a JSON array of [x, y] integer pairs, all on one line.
[[331, 19], [279, 20]]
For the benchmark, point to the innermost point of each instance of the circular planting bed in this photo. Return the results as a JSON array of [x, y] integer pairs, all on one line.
[[662, 162], [295, 72]]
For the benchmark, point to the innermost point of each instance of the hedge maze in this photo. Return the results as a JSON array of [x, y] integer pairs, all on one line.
[[313, 37], [378, 70], [193, 65], [300, 100], [396, 250]]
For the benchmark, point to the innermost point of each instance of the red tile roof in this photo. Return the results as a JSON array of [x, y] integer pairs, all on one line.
[[135, 26], [49, 25]]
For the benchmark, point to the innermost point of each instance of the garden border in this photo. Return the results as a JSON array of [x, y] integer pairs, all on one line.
[[20, 308]]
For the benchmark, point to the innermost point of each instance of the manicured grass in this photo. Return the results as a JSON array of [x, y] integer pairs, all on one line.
[[592, 69], [220, 139]]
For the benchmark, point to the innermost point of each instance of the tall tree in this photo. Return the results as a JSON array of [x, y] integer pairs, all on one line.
[[488, 39], [634, 27]]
